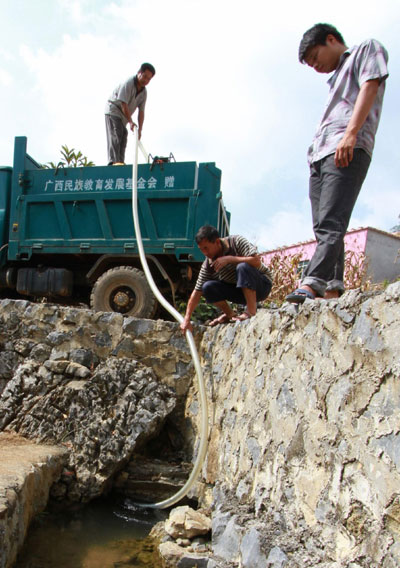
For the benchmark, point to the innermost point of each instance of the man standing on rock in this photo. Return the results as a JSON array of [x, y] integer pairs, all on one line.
[[232, 271], [121, 105], [341, 151]]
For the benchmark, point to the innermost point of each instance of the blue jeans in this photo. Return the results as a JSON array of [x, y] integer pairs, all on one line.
[[333, 194], [247, 277]]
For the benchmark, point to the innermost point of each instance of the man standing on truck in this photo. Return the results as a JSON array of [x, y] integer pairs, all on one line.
[[341, 151], [232, 271], [121, 105]]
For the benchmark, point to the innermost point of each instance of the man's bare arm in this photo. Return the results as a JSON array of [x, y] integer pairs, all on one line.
[[140, 122], [365, 99], [222, 261], [191, 306], [127, 114]]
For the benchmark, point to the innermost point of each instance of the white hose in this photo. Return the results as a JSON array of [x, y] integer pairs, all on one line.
[[189, 338]]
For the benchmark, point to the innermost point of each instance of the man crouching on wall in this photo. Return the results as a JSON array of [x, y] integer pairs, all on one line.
[[232, 271]]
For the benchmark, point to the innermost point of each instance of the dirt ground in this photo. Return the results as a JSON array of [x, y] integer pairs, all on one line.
[[17, 452]]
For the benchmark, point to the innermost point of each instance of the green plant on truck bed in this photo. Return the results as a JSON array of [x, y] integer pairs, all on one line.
[[70, 159]]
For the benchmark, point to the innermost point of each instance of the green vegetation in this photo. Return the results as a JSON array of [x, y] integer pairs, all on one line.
[[70, 159], [203, 312]]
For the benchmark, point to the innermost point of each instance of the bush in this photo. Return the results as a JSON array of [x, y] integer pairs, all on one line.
[[355, 271], [286, 271]]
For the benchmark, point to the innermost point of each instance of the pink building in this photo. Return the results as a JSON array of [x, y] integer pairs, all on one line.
[[381, 249]]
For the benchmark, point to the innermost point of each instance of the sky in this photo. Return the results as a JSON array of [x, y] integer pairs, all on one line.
[[228, 89]]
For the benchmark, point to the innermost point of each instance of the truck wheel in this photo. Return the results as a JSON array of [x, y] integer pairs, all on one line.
[[124, 290]]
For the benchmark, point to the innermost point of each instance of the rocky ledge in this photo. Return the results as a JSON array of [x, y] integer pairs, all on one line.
[[27, 471]]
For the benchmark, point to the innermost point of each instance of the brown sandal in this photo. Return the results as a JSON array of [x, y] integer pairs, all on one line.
[[242, 317], [223, 318]]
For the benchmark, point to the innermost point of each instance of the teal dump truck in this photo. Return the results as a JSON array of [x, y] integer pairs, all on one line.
[[68, 233]]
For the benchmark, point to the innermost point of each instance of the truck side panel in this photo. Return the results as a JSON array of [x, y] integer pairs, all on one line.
[[5, 190], [88, 210]]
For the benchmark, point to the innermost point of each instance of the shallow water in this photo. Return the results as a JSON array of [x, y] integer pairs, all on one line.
[[109, 533]]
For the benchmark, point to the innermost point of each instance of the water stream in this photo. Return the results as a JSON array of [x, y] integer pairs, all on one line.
[[108, 533]]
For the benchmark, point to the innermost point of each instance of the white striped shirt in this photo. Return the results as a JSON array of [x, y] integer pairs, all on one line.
[[235, 245]]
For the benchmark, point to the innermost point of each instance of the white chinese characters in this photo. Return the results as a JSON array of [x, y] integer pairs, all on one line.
[[109, 184]]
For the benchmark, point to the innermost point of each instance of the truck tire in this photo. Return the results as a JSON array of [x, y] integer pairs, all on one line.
[[125, 290]]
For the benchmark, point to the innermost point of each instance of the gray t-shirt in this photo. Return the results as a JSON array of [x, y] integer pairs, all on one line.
[[357, 65], [126, 93]]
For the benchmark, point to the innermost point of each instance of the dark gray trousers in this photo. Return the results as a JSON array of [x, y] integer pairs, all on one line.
[[247, 277], [333, 194], [117, 137]]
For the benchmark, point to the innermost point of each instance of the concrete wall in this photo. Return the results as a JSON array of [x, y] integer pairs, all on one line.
[[380, 248], [383, 253]]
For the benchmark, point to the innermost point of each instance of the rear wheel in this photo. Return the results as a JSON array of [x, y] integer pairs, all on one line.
[[124, 290]]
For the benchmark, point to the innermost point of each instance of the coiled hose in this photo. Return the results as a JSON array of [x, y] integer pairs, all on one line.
[[189, 338]]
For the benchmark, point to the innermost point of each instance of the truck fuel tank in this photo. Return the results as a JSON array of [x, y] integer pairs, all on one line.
[[45, 281]]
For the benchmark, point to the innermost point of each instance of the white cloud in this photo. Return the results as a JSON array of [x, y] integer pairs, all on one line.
[[285, 227], [75, 10], [5, 78]]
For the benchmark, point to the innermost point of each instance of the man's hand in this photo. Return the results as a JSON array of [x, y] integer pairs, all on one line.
[[132, 125], [186, 325], [365, 100], [192, 303], [222, 261], [345, 150]]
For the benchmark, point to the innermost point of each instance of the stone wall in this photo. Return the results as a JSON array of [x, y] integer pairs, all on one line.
[[303, 467], [98, 385]]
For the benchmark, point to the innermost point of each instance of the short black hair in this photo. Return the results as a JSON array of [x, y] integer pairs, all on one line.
[[317, 36], [207, 232], [147, 67]]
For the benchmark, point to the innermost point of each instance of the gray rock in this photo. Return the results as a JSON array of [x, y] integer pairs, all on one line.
[[23, 347], [41, 352], [254, 449], [102, 419], [137, 327], [124, 348], [77, 370], [84, 357], [103, 339], [58, 337], [252, 556], [365, 331], [390, 445], [344, 315], [8, 362], [226, 537], [193, 561], [56, 366], [392, 292], [277, 558]]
